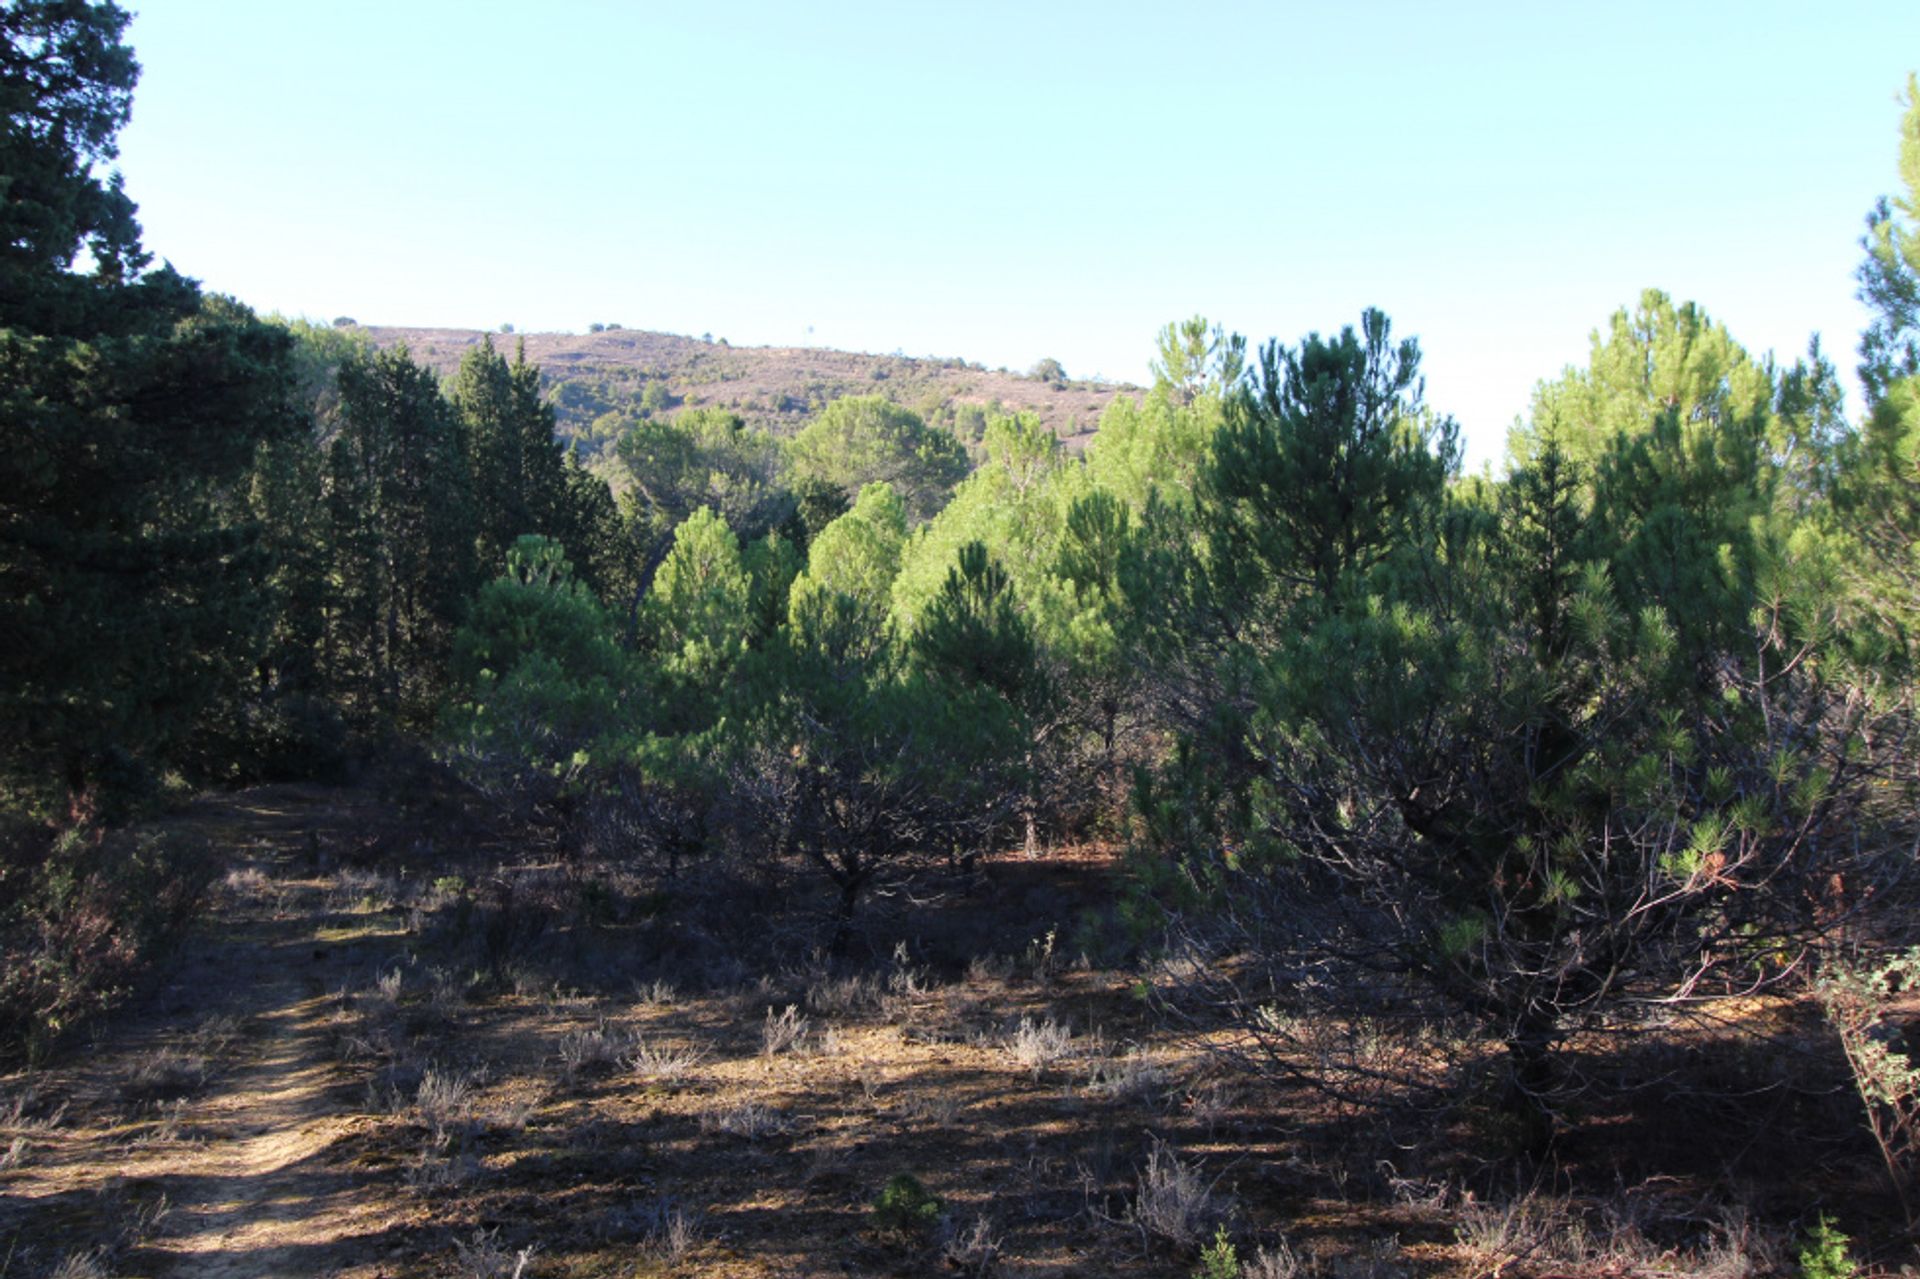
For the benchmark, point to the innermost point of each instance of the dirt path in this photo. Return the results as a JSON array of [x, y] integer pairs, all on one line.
[[201, 1134]]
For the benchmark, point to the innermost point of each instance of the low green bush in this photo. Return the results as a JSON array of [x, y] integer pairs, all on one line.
[[81, 913]]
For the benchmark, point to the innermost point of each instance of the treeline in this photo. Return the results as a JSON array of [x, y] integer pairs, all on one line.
[[1624, 727], [1530, 752]]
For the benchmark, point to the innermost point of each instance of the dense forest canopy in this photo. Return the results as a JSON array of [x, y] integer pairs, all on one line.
[[1627, 723]]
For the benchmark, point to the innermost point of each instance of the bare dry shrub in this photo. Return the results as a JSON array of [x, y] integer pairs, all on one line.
[[248, 881], [1131, 1078], [972, 1250], [23, 1118], [938, 1109], [1536, 1231], [434, 1172], [1210, 1102], [1375, 1259], [845, 996], [167, 1128], [990, 969], [1036, 1045], [784, 1032], [512, 1113], [485, 1257], [1041, 959], [386, 988], [750, 1120], [1277, 1262], [444, 1104], [670, 1232], [660, 1063], [1172, 1202], [594, 1051], [82, 1265], [1498, 1235], [167, 1073], [906, 981], [657, 993], [356, 891]]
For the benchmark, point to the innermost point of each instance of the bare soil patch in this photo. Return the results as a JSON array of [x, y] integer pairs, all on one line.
[[404, 1044]]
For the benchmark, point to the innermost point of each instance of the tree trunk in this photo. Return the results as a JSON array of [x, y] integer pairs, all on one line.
[[1530, 1085]]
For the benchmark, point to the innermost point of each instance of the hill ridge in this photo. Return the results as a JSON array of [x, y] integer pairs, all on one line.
[[597, 380]]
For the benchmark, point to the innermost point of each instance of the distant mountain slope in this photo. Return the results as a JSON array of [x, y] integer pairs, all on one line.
[[625, 372]]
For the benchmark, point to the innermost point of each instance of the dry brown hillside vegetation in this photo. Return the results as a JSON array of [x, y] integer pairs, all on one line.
[[623, 371], [406, 1041]]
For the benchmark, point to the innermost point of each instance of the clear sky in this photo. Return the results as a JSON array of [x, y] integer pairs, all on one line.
[[1004, 182]]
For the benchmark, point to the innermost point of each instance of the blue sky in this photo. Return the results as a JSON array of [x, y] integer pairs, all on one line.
[[1007, 182]]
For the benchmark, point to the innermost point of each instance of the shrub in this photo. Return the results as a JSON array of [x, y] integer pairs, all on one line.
[[80, 915], [1860, 1003], [785, 1032], [671, 1232], [487, 1258], [1825, 1256], [1218, 1259], [905, 1208], [1172, 1203], [749, 1120], [1037, 1045], [971, 1250], [584, 1052], [659, 1063]]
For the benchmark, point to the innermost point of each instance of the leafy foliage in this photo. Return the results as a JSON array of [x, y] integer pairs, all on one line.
[[130, 567], [905, 1208], [861, 440], [1861, 1000]]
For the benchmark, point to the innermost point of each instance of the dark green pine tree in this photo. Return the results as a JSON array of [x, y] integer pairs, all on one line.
[[66, 84], [131, 412], [482, 392], [590, 526], [402, 535], [1325, 463], [523, 479], [543, 486]]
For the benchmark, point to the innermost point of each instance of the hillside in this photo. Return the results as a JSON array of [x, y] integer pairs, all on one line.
[[779, 388]]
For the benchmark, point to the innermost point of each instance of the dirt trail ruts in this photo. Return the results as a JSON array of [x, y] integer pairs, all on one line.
[[240, 1175]]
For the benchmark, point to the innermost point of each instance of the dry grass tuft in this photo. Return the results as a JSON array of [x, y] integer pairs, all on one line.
[[972, 1250], [444, 1104], [670, 1233], [749, 1120], [658, 1063], [1173, 1203], [1036, 1045], [484, 1257], [785, 1032], [1278, 1262], [595, 1051], [82, 1265], [1131, 1078]]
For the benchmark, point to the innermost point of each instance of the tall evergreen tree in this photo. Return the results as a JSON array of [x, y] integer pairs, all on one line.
[[402, 533], [1325, 463], [131, 410], [1881, 489], [520, 480]]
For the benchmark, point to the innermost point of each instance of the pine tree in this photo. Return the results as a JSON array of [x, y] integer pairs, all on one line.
[[866, 439], [1324, 463], [131, 409], [520, 481], [402, 534]]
